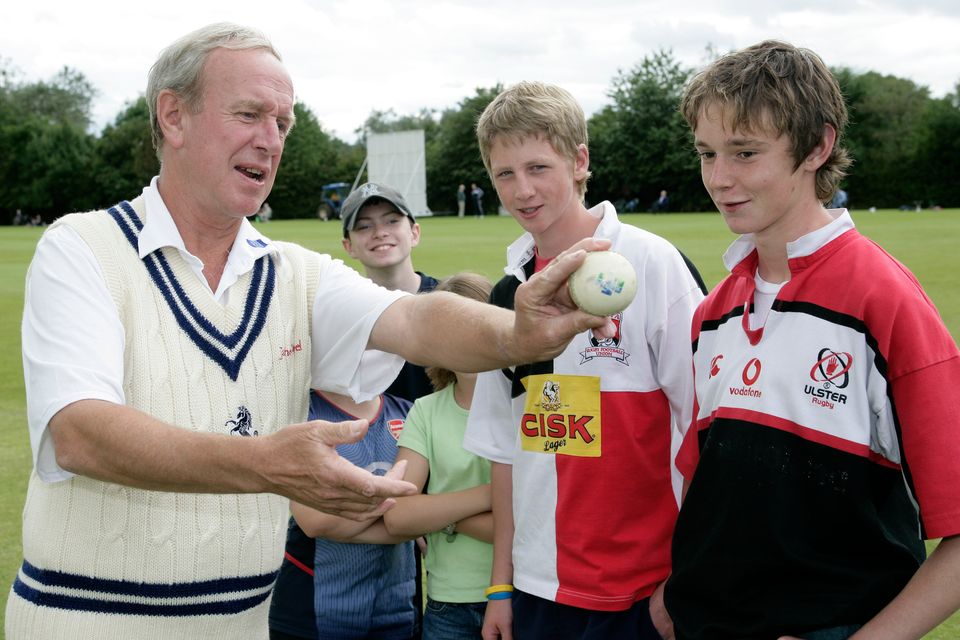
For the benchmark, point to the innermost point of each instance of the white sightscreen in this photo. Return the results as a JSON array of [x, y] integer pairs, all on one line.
[[397, 160]]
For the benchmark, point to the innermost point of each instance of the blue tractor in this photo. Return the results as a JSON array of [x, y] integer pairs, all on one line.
[[331, 197]]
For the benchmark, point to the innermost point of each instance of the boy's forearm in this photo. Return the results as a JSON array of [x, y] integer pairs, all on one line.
[[931, 596], [317, 524], [376, 533], [425, 513], [501, 481], [479, 527]]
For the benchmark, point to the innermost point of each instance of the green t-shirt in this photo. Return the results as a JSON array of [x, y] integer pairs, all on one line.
[[457, 570]]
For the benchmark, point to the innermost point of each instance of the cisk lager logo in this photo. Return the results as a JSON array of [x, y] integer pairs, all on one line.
[[562, 415]]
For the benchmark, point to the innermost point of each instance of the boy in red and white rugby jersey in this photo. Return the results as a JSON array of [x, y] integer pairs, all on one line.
[[583, 494], [824, 444]]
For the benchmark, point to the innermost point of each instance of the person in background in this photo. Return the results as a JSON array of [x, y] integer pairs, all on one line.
[[824, 446], [476, 194], [661, 204], [455, 514], [264, 213], [839, 200], [461, 200]]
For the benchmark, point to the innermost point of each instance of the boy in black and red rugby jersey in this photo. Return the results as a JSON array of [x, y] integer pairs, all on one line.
[[824, 444]]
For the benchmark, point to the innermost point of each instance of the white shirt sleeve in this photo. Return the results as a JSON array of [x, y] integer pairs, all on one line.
[[492, 431], [72, 337], [345, 309], [672, 349]]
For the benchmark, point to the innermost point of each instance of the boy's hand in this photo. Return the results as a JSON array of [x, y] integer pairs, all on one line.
[[498, 620], [658, 614]]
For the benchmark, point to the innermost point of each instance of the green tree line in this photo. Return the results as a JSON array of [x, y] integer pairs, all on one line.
[[905, 144]]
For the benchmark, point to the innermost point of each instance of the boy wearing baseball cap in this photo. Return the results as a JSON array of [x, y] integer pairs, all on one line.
[[582, 489], [824, 441], [380, 231]]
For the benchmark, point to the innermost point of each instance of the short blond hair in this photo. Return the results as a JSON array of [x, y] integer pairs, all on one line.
[[533, 109], [775, 85], [468, 285]]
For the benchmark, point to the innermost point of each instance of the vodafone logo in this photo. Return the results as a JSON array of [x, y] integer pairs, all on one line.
[[749, 375], [751, 372]]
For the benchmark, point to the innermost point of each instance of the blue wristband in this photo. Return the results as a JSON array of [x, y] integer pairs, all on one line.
[[500, 595]]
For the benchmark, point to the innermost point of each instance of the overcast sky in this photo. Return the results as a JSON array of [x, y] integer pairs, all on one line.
[[348, 58]]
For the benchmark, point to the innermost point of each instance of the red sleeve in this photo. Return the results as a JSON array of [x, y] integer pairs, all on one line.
[[927, 402]]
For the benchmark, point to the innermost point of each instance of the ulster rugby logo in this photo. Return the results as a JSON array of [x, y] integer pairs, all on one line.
[[831, 371], [832, 368]]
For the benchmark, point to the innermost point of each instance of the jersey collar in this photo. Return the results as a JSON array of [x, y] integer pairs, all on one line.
[[805, 245], [521, 251]]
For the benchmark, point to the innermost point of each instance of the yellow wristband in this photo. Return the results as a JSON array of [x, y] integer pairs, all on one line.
[[498, 588]]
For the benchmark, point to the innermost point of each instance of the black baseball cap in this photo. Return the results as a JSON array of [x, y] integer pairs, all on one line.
[[364, 194]]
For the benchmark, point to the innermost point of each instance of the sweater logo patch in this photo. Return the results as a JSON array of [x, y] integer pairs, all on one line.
[[243, 424], [562, 415], [606, 347], [286, 352], [831, 371]]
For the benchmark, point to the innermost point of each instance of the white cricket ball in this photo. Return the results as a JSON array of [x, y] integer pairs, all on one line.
[[604, 285]]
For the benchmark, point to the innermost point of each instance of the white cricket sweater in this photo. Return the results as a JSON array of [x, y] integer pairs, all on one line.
[[107, 561]]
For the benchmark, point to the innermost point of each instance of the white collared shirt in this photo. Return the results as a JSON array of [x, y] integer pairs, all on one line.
[[73, 339], [161, 231]]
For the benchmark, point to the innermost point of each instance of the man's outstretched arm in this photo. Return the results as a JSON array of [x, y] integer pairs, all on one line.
[[118, 444], [464, 335]]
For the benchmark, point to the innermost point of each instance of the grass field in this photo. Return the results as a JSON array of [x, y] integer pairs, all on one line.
[[926, 242]]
